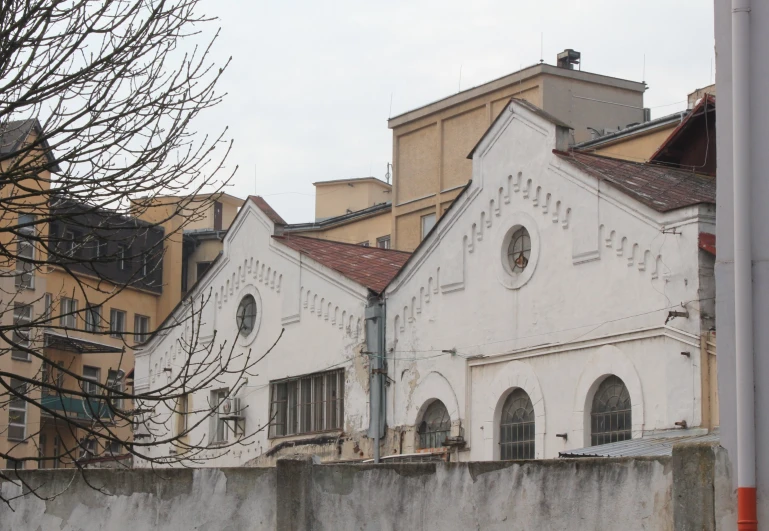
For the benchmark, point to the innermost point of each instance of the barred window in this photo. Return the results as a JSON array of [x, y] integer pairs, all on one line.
[[435, 426], [611, 416], [307, 404], [516, 427]]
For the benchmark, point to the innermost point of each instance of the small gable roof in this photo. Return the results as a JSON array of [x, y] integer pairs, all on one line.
[[14, 133], [658, 187], [265, 207], [371, 267]]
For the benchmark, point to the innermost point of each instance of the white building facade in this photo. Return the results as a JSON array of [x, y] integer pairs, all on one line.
[[560, 302]]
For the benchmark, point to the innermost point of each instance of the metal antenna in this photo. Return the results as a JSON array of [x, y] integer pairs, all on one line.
[[541, 47], [459, 85], [643, 77], [391, 106]]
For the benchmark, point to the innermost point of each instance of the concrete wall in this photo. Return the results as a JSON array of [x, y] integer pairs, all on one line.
[[661, 493], [638, 148], [336, 198], [367, 229]]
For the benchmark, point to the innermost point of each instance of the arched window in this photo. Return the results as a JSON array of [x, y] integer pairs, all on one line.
[[516, 427], [610, 417], [435, 426]]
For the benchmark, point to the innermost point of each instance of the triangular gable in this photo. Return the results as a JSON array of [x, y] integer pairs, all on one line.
[[692, 145]]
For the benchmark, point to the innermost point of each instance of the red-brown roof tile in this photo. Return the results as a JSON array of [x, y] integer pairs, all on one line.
[[267, 209], [371, 267], [658, 187]]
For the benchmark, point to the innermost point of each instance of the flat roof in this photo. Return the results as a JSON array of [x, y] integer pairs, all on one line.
[[634, 130], [511, 79]]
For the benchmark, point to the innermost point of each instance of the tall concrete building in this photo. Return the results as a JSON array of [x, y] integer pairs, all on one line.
[[431, 143]]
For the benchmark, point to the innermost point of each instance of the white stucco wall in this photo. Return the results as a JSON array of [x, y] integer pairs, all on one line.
[[321, 311], [603, 274]]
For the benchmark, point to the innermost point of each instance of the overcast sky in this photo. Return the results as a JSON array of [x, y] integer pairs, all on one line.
[[310, 83]]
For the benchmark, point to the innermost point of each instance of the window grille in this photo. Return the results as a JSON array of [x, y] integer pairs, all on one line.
[[611, 414], [17, 412], [516, 427], [307, 404], [68, 313], [25, 253], [22, 314], [435, 426], [519, 250]]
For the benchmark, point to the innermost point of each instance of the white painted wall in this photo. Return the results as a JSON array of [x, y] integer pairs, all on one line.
[[592, 301], [321, 310]]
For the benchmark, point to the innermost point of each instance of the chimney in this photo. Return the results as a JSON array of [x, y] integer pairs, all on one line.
[[568, 58]]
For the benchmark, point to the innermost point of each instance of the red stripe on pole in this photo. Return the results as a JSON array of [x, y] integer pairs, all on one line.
[[746, 509]]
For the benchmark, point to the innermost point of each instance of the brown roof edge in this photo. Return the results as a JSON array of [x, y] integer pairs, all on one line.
[[708, 98], [265, 207]]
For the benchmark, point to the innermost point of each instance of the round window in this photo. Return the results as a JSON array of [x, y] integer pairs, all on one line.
[[246, 316], [519, 250]]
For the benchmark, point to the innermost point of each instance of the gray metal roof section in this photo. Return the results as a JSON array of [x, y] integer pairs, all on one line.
[[339, 220], [655, 445], [677, 117]]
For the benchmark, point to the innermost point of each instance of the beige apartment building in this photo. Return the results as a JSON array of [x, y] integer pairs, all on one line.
[[431, 143]]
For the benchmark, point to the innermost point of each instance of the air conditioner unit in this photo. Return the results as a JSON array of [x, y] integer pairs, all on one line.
[[230, 409]]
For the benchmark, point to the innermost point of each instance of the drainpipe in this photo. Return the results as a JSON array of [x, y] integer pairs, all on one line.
[[743, 268], [375, 343]]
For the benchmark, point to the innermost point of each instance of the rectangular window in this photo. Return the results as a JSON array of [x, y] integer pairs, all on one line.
[[52, 375], [47, 308], [141, 328], [90, 379], [116, 322], [68, 313], [122, 257], [219, 428], [383, 242], [93, 319], [22, 315], [364, 244], [202, 267], [25, 253], [17, 412], [68, 242], [182, 410], [428, 222], [87, 448], [307, 404], [99, 248], [114, 448], [14, 464]]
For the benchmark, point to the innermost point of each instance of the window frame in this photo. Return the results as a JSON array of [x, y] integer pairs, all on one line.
[[90, 383], [122, 261], [18, 331], [68, 313], [383, 240], [17, 405], [115, 381], [422, 219], [428, 438], [611, 435], [113, 332], [219, 430], [182, 414], [304, 404], [522, 434], [25, 268], [141, 333], [92, 325]]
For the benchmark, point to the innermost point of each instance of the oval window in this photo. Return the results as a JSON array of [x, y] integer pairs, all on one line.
[[246, 315], [519, 250]]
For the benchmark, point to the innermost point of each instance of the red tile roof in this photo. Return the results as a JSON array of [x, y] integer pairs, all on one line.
[[371, 267], [656, 186], [259, 201]]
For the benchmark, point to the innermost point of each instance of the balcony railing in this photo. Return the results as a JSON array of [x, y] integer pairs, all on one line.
[[77, 408]]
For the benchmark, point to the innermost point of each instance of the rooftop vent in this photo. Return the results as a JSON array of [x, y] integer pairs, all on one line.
[[568, 58]]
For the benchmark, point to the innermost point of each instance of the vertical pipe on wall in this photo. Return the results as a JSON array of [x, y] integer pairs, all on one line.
[[375, 343], [743, 274]]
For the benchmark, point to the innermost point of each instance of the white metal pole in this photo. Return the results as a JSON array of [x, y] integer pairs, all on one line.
[[743, 268]]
